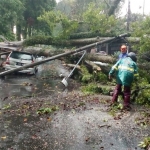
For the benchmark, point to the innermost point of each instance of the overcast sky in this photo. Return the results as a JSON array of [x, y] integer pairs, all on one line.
[[137, 6], [58, 1]]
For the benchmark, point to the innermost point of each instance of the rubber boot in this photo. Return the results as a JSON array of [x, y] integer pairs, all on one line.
[[126, 100], [116, 93], [127, 95]]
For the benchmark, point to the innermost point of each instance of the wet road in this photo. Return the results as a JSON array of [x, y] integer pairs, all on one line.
[[74, 128], [29, 85], [81, 122]]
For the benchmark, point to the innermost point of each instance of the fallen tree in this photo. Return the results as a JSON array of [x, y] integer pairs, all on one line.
[[72, 42], [93, 65], [61, 55], [101, 58], [72, 66]]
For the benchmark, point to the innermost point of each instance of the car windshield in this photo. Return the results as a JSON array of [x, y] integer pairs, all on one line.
[[22, 56]]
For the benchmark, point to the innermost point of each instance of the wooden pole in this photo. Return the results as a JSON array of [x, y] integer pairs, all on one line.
[[61, 55]]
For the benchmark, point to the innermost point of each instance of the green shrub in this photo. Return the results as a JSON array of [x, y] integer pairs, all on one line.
[[106, 91], [92, 88], [141, 89], [47, 40], [101, 77], [88, 35], [145, 143], [86, 76]]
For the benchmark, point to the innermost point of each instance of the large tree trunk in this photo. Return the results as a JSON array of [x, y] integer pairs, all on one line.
[[113, 7], [101, 58], [93, 65], [79, 42], [29, 31], [18, 30], [24, 32]]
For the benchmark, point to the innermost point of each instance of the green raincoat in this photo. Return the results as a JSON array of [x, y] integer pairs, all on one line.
[[126, 70]]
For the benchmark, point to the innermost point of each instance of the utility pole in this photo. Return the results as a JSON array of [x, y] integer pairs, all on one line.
[[128, 16]]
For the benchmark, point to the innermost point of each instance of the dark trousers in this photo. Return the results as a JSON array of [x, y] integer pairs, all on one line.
[[126, 94]]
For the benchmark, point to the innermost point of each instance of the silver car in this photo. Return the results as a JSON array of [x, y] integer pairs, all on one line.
[[17, 59]]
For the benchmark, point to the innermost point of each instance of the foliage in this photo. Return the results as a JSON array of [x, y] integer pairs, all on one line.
[[106, 90], [98, 21], [86, 76], [120, 27], [135, 17], [116, 54], [101, 77], [47, 40], [91, 81], [143, 94], [47, 110], [142, 29], [91, 88], [29, 23], [78, 9], [42, 30], [145, 143], [143, 97], [88, 35], [68, 27], [75, 8], [10, 12], [7, 106], [24, 14], [53, 18], [9, 36]]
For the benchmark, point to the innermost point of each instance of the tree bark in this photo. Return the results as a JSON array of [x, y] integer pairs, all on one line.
[[101, 58], [75, 42], [72, 66], [112, 9], [94, 66], [18, 30]]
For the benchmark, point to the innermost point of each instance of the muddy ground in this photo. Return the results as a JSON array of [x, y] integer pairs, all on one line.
[[59, 118]]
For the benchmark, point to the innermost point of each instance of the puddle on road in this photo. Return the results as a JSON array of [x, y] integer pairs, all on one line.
[[30, 86]]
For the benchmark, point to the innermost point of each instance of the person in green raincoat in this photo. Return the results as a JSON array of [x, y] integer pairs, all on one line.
[[126, 71]]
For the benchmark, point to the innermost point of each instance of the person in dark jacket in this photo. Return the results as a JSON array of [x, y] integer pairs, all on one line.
[[123, 53], [126, 70]]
